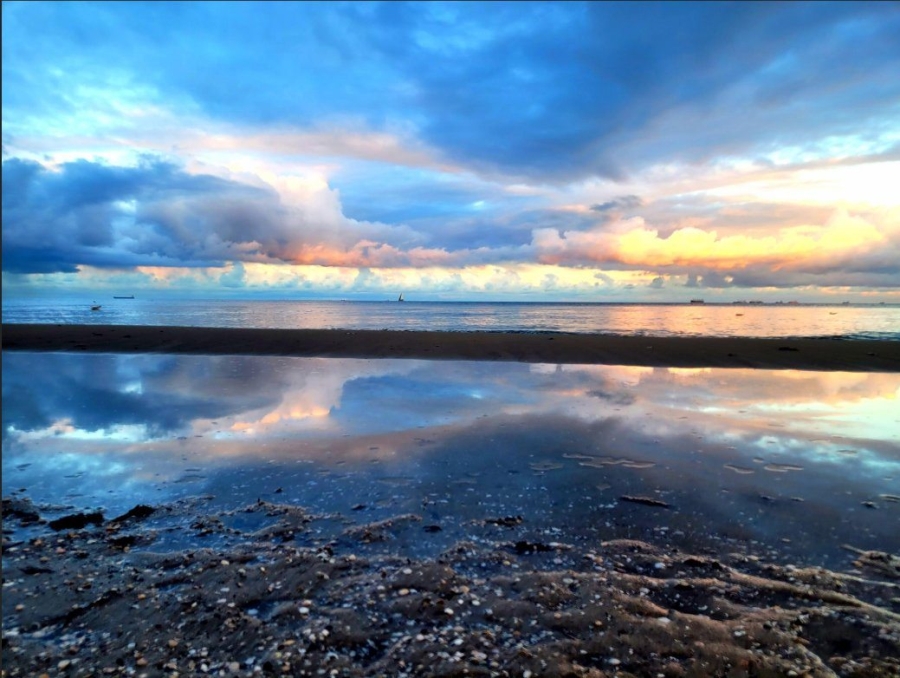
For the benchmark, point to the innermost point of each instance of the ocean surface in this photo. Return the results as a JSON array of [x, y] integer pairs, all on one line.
[[731, 320]]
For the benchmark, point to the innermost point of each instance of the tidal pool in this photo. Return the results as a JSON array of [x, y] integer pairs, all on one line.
[[786, 465]]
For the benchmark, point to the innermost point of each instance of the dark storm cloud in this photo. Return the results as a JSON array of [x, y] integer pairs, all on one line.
[[101, 215]]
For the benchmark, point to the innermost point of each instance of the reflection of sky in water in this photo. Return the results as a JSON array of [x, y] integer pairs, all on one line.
[[747, 454]]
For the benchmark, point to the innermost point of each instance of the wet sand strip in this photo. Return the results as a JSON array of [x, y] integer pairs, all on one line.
[[800, 354]]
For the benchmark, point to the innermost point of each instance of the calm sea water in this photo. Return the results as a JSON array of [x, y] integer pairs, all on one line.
[[770, 320]]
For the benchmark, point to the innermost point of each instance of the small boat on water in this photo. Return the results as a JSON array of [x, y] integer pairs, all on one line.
[[95, 307], [131, 297], [697, 301], [400, 298]]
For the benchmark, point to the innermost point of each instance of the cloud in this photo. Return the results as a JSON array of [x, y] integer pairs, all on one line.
[[624, 202], [547, 91], [753, 145], [156, 214], [845, 243]]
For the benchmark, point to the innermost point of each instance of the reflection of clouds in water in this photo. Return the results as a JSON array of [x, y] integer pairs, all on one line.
[[311, 394], [99, 392], [118, 399], [750, 402], [520, 438]]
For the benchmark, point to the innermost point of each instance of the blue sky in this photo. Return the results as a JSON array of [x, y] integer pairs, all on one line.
[[583, 151]]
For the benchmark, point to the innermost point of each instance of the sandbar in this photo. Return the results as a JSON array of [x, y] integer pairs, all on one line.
[[826, 354]]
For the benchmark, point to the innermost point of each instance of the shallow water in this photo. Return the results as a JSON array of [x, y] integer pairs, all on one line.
[[785, 465], [727, 320]]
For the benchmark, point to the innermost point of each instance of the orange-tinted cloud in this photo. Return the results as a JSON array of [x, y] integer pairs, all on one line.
[[841, 238]]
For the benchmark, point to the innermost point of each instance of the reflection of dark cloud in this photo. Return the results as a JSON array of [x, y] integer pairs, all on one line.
[[617, 398], [163, 393]]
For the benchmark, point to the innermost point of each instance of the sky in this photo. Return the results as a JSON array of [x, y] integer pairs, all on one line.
[[536, 151]]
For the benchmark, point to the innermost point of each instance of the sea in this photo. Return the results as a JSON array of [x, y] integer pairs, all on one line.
[[851, 321]]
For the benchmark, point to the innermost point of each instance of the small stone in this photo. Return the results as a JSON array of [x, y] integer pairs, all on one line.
[[303, 610], [448, 611], [173, 643], [614, 662], [20, 607], [403, 592], [63, 665]]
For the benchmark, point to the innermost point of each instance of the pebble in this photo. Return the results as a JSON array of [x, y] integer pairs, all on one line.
[[303, 609], [403, 592], [614, 662], [448, 611]]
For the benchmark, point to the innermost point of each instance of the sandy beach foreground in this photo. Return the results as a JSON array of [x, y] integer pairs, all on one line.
[[89, 595], [802, 354]]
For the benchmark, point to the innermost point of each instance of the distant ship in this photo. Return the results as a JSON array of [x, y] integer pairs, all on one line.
[[697, 301], [400, 298], [95, 307], [131, 297]]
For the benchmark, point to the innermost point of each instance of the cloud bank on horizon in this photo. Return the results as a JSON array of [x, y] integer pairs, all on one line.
[[573, 151]]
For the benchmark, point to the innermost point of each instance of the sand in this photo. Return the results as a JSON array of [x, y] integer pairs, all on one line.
[[98, 600], [800, 354]]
